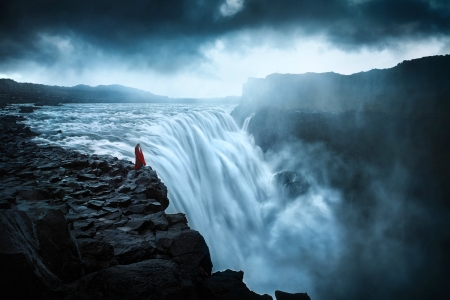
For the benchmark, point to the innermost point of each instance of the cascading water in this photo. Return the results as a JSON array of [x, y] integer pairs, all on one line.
[[246, 122], [218, 177]]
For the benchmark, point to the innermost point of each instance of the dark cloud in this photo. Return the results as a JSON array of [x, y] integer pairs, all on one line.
[[168, 34]]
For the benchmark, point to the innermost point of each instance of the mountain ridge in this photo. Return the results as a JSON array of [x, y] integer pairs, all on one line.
[[23, 92], [417, 86]]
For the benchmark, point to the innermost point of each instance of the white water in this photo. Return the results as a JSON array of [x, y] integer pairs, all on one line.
[[215, 175]]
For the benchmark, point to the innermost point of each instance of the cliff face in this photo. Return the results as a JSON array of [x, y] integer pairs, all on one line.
[[418, 86], [381, 138], [78, 226]]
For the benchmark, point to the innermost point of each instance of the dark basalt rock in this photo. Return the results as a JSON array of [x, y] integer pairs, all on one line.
[[22, 265], [188, 248], [279, 295], [63, 213], [57, 246], [26, 109], [84, 177], [150, 279], [228, 285]]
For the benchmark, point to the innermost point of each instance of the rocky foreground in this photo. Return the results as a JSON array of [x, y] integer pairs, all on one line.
[[77, 226]]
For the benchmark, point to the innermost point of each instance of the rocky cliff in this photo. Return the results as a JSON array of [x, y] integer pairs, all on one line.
[[76, 226], [381, 139], [417, 86]]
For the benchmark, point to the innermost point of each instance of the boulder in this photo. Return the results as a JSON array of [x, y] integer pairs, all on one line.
[[57, 246], [86, 176], [26, 109], [279, 295], [150, 279], [228, 285], [157, 221], [22, 266], [188, 248]]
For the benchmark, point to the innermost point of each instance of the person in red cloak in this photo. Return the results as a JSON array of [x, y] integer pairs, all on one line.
[[140, 161]]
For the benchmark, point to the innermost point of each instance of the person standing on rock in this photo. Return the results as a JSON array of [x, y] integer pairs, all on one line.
[[140, 161]]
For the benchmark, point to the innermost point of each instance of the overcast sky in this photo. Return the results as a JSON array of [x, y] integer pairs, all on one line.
[[208, 48]]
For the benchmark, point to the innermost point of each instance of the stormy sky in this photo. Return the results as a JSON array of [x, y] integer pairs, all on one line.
[[208, 48]]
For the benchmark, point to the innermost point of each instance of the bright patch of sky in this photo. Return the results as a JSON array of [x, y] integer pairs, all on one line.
[[227, 65]]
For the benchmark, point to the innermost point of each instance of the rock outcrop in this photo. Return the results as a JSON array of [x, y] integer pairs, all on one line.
[[77, 226]]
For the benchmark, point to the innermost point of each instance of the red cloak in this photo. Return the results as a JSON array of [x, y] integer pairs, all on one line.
[[140, 161]]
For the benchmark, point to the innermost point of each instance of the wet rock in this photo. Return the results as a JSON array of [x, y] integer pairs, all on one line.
[[176, 218], [136, 209], [158, 221], [85, 176], [123, 201], [279, 295], [138, 224], [113, 216], [153, 207], [131, 175], [111, 209], [150, 279], [229, 285], [96, 188], [76, 164], [4, 204], [104, 166], [159, 193], [126, 188], [188, 248], [48, 167], [57, 246], [55, 178], [83, 224], [123, 226], [95, 204], [34, 194], [95, 254], [26, 109], [90, 233], [22, 266], [9, 195], [82, 193], [26, 174]]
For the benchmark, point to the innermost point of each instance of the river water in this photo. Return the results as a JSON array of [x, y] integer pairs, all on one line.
[[219, 179]]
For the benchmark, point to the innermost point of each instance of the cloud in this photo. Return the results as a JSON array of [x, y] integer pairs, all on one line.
[[166, 35]]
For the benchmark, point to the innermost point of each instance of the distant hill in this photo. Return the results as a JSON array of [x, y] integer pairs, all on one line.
[[16, 92], [419, 86]]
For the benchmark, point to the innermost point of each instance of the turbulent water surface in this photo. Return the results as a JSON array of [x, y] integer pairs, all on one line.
[[216, 175]]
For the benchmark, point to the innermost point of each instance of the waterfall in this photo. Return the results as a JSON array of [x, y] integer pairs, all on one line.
[[222, 182], [216, 176], [246, 122]]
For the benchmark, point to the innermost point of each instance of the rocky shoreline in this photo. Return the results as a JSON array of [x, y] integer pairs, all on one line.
[[77, 226]]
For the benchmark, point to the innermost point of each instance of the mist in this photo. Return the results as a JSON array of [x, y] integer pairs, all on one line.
[[367, 195]]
